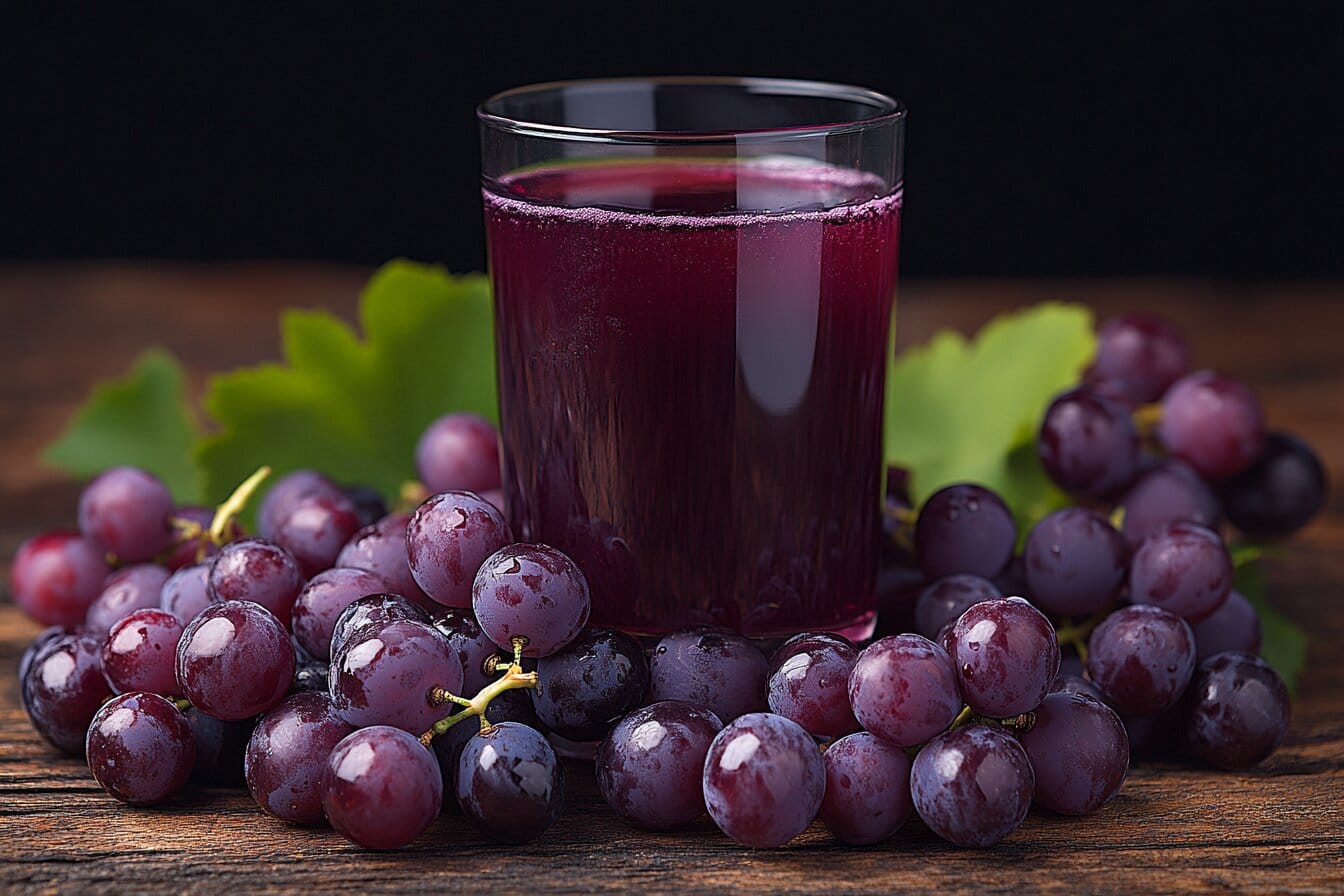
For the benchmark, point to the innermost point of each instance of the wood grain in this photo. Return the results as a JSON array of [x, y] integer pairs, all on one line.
[[1174, 827]]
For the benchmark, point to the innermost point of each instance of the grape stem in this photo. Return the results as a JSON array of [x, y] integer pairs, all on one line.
[[1146, 419], [513, 677], [411, 496], [1024, 722], [904, 533], [1075, 634], [963, 718], [235, 503]]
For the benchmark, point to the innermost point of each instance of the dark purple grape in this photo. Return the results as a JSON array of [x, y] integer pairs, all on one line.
[[1143, 352], [384, 676], [381, 549], [1070, 663], [867, 789], [368, 503], [650, 767], [1235, 626], [56, 576], [472, 646], [44, 637], [235, 660], [381, 788], [946, 599], [459, 452], [1088, 444], [1213, 423], [63, 688], [1075, 562], [534, 592], [1076, 684], [316, 529], [904, 690], [373, 611], [125, 511], [287, 491], [1183, 568], [257, 571], [187, 592], [125, 591], [509, 783], [1006, 656], [141, 651], [220, 747], [287, 755], [972, 786], [323, 600], [1079, 752], [764, 780], [1170, 492], [584, 689], [713, 668], [1280, 493], [1142, 658], [509, 706], [448, 539], [141, 749], [1239, 711], [964, 529], [809, 683]]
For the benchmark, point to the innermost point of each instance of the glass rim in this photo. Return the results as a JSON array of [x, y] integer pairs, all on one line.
[[886, 110]]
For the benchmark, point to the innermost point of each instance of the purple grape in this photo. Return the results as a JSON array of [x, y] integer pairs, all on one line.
[[141, 651], [1006, 656], [44, 637], [1079, 751], [464, 636], [384, 676], [1075, 562], [764, 780], [316, 529], [713, 668], [1076, 684], [63, 688], [372, 612], [1213, 423], [459, 452], [323, 600], [946, 599], [141, 749], [381, 549], [964, 529], [1171, 492], [125, 591], [650, 767], [1183, 568], [509, 783], [904, 690], [287, 755], [448, 539], [187, 592], [1235, 626], [1088, 444], [1142, 658], [1280, 493], [257, 571], [510, 706], [368, 503], [56, 576], [809, 684], [867, 789], [1070, 663], [288, 491], [1143, 352], [584, 689], [1240, 711], [220, 747], [972, 786], [125, 511], [381, 788], [533, 592], [234, 660]]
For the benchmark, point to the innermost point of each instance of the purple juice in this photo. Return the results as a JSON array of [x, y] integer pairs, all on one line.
[[691, 368]]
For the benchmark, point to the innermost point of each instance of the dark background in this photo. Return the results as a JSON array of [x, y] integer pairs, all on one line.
[[1044, 139]]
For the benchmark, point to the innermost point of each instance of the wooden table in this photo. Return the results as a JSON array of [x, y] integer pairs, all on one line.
[[1174, 827]]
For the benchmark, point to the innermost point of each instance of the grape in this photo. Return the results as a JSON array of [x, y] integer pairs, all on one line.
[[972, 786], [323, 600], [584, 689], [509, 783], [533, 592], [125, 511], [713, 668], [287, 755], [383, 676], [964, 529], [125, 591], [289, 490], [381, 549], [1144, 733], [190, 549], [1077, 684], [1088, 444], [373, 611], [1169, 493], [1240, 711], [63, 688], [1212, 422], [316, 529], [649, 768], [234, 660], [381, 788], [44, 637], [904, 690], [764, 780], [459, 452], [220, 747], [1142, 658], [1280, 493], [1075, 562], [187, 592], [56, 576], [464, 636], [867, 789], [809, 683], [509, 706], [141, 749], [1079, 752], [1143, 352], [946, 599], [140, 653], [1006, 656], [257, 571], [1183, 568], [368, 503], [448, 539], [1234, 626]]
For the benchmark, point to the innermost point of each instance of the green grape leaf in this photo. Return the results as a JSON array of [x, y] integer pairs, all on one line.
[[1282, 643], [142, 420]]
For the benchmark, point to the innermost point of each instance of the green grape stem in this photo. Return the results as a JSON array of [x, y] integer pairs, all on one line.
[[513, 677], [235, 503]]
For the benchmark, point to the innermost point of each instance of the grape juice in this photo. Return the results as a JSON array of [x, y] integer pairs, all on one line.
[[691, 365]]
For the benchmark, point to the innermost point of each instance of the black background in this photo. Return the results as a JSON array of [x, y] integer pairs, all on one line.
[[1044, 139]]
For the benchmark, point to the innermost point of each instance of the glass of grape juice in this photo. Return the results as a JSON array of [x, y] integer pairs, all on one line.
[[693, 283]]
